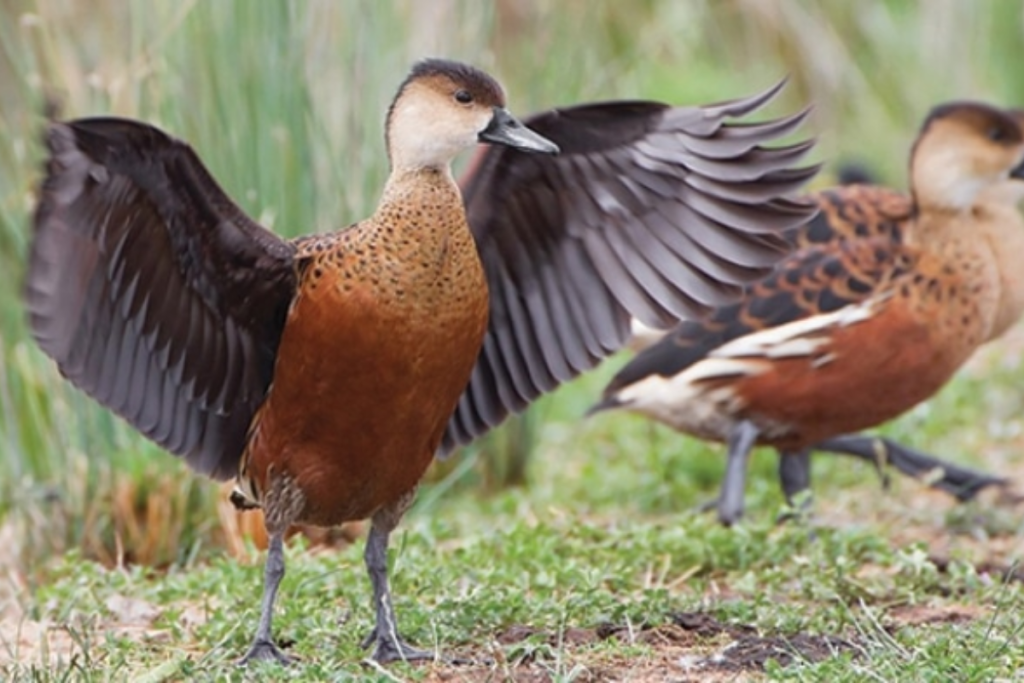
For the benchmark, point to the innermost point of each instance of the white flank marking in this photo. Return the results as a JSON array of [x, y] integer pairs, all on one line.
[[687, 402], [799, 338]]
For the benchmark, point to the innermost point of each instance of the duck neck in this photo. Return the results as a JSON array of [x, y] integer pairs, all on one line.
[[1003, 232], [935, 226], [422, 207], [404, 178], [985, 244], [411, 193]]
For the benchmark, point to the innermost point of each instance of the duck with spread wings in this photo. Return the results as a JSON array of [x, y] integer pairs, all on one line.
[[325, 373]]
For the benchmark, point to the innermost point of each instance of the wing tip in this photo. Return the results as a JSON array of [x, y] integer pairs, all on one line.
[[742, 106]]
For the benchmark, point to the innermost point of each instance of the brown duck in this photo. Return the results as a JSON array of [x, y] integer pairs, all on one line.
[[862, 210], [852, 331], [325, 373]]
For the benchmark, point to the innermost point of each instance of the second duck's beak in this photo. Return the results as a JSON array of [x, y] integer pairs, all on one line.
[[505, 129], [1018, 171]]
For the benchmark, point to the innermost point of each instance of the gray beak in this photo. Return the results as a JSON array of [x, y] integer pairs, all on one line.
[[505, 129], [1018, 171]]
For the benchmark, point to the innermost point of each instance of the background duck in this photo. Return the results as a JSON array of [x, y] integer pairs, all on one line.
[[864, 210], [324, 372], [856, 210], [846, 335]]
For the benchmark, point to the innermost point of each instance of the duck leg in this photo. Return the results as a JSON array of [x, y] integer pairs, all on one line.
[[795, 477], [263, 648], [961, 482], [388, 645], [875, 450], [730, 501]]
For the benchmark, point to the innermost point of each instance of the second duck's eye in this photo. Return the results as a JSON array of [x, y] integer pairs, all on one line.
[[463, 96], [997, 134]]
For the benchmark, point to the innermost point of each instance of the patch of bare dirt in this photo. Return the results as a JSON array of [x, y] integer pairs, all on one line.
[[658, 665], [925, 615], [707, 626], [691, 647], [752, 653], [749, 651]]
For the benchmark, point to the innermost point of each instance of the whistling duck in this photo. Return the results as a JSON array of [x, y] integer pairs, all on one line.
[[325, 373], [863, 211], [866, 211], [858, 212], [848, 333]]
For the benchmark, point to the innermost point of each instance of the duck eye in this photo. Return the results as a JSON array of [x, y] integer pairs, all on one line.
[[997, 134], [463, 96]]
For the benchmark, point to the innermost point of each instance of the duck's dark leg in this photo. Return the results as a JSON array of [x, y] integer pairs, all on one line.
[[263, 648], [873, 449], [388, 645], [730, 501], [961, 482], [795, 477]]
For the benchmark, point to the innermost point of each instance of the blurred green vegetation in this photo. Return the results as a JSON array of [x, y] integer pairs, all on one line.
[[284, 102]]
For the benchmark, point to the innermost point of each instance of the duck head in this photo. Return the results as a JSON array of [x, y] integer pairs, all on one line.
[[966, 149], [445, 107]]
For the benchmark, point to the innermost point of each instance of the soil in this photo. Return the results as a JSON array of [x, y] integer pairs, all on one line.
[[690, 646]]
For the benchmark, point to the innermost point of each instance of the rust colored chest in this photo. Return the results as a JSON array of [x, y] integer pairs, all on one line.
[[378, 346]]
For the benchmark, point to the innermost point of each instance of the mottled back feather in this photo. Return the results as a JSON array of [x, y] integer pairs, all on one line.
[[814, 281], [854, 212]]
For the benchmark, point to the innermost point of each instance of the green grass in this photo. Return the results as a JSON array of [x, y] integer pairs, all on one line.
[[470, 571], [284, 102]]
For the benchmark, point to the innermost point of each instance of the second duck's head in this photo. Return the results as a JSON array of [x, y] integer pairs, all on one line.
[[964, 149], [445, 107]]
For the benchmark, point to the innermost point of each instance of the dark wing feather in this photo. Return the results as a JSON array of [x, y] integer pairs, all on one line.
[[813, 281], [651, 211], [153, 292]]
